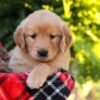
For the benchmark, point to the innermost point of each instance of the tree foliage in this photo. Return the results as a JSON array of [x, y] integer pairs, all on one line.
[[82, 16]]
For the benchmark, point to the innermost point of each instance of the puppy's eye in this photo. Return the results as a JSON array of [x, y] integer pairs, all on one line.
[[33, 36], [52, 36]]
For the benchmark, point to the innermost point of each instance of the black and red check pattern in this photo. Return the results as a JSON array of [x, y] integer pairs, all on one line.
[[57, 87]]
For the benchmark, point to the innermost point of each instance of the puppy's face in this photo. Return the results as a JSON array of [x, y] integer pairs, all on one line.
[[43, 41], [42, 36]]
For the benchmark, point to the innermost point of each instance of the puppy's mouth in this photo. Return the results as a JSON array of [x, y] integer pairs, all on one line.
[[44, 59]]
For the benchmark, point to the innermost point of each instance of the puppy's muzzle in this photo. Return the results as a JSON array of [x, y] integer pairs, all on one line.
[[42, 53]]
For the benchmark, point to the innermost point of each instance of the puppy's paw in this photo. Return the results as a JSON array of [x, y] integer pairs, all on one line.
[[35, 82], [38, 76]]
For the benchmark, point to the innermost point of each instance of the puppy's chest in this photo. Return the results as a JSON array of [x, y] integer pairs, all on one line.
[[20, 64]]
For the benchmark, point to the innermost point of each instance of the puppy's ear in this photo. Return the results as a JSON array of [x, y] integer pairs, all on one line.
[[66, 38], [19, 37]]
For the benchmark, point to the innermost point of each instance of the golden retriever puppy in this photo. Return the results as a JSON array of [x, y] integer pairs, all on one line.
[[43, 41]]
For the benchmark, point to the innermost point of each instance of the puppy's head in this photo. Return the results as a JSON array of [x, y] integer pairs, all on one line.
[[43, 35]]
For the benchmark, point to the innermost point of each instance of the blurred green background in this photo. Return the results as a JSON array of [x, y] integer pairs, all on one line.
[[83, 18]]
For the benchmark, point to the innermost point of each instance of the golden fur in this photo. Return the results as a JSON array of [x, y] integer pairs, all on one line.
[[41, 29]]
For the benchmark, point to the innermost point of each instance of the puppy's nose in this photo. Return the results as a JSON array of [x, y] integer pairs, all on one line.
[[42, 53]]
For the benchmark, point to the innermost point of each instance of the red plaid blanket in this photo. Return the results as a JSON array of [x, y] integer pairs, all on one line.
[[57, 87]]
